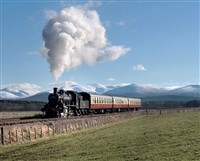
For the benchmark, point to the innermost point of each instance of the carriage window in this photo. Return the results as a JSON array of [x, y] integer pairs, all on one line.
[[94, 100]]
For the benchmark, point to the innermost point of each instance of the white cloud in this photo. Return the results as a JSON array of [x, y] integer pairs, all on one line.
[[139, 67], [75, 36]]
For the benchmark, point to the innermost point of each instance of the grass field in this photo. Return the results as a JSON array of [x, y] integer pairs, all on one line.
[[165, 137], [19, 114]]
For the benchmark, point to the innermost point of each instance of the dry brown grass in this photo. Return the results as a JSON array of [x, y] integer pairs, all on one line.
[[18, 114]]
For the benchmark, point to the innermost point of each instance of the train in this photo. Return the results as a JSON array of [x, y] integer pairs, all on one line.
[[71, 103]]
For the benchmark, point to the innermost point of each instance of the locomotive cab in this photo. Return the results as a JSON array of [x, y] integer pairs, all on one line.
[[84, 102]]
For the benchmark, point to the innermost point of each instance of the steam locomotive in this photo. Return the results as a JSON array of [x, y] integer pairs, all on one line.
[[71, 103]]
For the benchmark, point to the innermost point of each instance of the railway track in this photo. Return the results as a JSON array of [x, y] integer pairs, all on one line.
[[16, 121], [6, 122]]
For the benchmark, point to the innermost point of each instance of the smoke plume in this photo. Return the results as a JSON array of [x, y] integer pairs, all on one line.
[[75, 36]]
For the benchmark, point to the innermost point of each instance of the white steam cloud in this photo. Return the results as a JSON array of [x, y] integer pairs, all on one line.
[[75, 36]]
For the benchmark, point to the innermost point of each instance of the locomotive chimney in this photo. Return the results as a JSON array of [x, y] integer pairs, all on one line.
[[55, 90]]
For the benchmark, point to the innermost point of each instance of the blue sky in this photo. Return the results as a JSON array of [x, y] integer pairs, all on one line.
[[163, 38]]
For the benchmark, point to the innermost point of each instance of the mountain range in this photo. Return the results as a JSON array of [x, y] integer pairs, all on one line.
[[134, 90], [149, 93], [10, 93], [146, 92]]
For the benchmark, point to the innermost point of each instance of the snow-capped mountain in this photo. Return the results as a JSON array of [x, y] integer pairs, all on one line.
[[134, 90], [91, 88], [192, 90], [19, 92], [14, 91], [32, 93], [8, 93], [40, 97]]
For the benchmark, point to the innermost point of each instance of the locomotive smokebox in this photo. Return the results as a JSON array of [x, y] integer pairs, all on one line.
[[55, 90]]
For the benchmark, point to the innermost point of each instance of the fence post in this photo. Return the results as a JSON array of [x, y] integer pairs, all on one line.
[[9, 133], [35, 133], [2, 136], [16, 137], [48, 130], [53, 130], [41, 132], [29, 133], [66, 129], [22, 134], [62, 128]]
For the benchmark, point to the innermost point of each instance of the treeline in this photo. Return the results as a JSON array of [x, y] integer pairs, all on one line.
[[14, 105], [170, 104]]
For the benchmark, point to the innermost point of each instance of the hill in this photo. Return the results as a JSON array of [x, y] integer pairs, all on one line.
[[39, 97]]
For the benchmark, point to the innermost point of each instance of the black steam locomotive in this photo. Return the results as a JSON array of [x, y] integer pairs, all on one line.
[[71, 103], [64, 103]]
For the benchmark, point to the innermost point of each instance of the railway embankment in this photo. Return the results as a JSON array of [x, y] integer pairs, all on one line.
[[26, 132]]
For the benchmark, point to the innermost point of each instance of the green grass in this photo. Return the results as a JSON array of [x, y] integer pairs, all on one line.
[[166, 137]]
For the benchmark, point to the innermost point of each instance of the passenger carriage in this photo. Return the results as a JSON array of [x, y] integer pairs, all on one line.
[[134, 103], [120, 102], [98, 103]]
